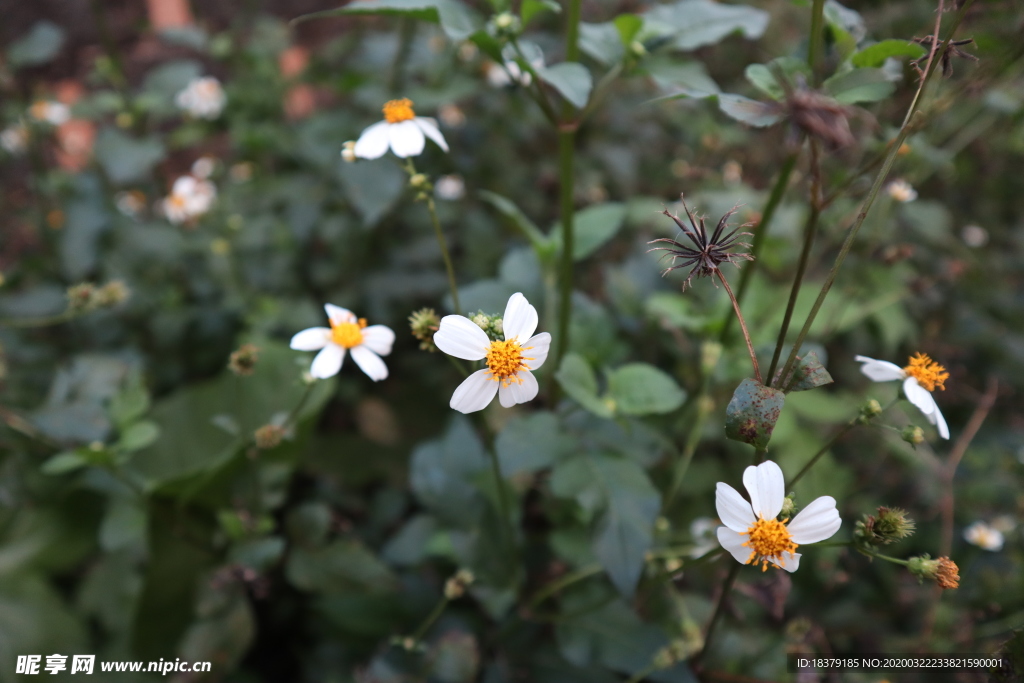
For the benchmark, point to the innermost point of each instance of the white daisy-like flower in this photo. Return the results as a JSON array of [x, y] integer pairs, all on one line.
[[53, 113], [753, 533], [14, 139], [203, 98], [347, 333], [450, 187], [190, 198], [921, 377], [901, 191], [203, 167], [401, 130], [509, 362], [984, 536]]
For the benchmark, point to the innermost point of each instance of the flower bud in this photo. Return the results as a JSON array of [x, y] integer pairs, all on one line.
[[348, 151], [268, 436], [506, 25], [637, 49], [424, 323], [111, 294], [789, 506], [891, 525], [419, 181], [913, 435], [943, 571], [870, 409], [455, 587], [81, 297], [491, 324], [243, 361]]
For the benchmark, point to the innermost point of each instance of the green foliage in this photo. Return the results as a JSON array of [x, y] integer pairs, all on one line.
[[752, 413]]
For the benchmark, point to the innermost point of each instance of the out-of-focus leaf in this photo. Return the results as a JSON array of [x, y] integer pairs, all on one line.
[[411, 545], [341, 566], [372, 187], [442, 472], [531, 443], [455, 18], [258, 553], [929, 219], [139, 436], [65, 462], [681, 79], [695, 23], [225, 630], [875, 55], [124, 524], [860, 85], [752, 413], [841, 18], [602, 42], [507, 208], [642, 389], [808, 373], [34, 618], [454, 658], [87, 221], [628, 26], [531, 8], [577, 378], [748, 111], [40, 45], [130, 403], [571, 79], [763, 76], [125, 159], [595, 225]]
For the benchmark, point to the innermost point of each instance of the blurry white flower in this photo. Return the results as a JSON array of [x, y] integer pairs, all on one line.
[[508, 367], [1004, 523], [920, 378], [130, 202], [752, 532], [984, 536], [401, 130], [499, 76], [346, 333], [203, 167], [348, 151], [14, 138], [451, 116], [203, 98], [53, 113], [450, 187], [901, 191], [974, 236], [189, 198]]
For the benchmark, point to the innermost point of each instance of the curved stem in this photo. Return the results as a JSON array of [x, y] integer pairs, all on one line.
[[716, 617], [438, 610], [743, 325], [561, 583], [444, 254]]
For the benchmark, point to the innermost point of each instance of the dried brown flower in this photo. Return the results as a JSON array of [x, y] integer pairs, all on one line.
[[268, 436], [952, 50], [819, 116], [947, 575], [243, 361]]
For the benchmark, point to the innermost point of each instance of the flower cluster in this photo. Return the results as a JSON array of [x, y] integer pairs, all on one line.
[[190, 198], [202, 98]]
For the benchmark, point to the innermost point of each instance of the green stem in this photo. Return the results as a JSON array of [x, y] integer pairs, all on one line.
[[438, 610], [692, 440], [560, 584], [444, 254], [875, 187], [716, 617], [44, 321], [814, 54], [774, 199], [890, 558], [506, 530]]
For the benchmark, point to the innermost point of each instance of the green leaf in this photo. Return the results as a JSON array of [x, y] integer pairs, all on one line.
[[139, 436], [530, 8], [681, 79], [752, 413], [124, 525], [456, 19], [344, 565], [577, 379], [875, 55], [372, 187], [602, 42], [629, 26], [571, 79], [126, 159], [42, 43], [763, 76], [528, 444], [847, 28], [592, 227], [860, 85], [507, 208], [808, 373], [63, 463], [642, 389], [695, 23], [131, 403], [442, 471], [625, 531], [748, 111], [454, 658]]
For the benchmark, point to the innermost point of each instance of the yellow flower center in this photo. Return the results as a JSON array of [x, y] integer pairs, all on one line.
[[348, 335], [769, 538], [397, 111], [177, 201], [927, 372], [505, 360]]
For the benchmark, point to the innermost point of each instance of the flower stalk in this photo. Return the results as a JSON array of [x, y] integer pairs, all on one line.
[[428, 199]]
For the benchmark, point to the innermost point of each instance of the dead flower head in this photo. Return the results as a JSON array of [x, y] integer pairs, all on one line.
[[952, 50], [819, 116], [708, 252]]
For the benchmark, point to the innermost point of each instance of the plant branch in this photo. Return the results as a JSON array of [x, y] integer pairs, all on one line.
[[743, 325]]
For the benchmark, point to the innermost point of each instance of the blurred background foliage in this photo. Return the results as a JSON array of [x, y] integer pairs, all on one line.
[[140, 517]]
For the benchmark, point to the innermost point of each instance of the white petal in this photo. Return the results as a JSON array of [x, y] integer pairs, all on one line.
[[378, 338], [920, 397], [789, 561], [519, 393], [733, 542], [816, 522], [406, 139], [373, 143], [429, 128], [766, 487], [880, 370], [940, 423], [337, 314], [369, 362], [536, 349], [461, 337], [475, 392], [328, 362], [312, 339], [520, 319], [734, 512]]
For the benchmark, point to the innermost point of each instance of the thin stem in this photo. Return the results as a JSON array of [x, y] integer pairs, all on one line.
[[872, 553], [774, 199], [810, 231], [562, 583], [692, 440], [743, 325], [873, 193], [44, 321], [814, 54], [438, 610], [507, 537], [719, 609], [444, 254]]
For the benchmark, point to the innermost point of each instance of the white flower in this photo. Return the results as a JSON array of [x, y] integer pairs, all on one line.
[[984, 536], [53, 113], [189, 198], [14, 139], [346, 333], [450, 187], [508, 365], [203, 98], [401, 130], [203, 167], [752, 532], [702, 532], [499, 76], [130, 202], [901, 191], [920, 378]]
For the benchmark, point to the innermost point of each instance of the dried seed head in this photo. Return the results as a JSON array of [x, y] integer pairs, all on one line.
[[424, 323], [952, 50], [243, 361], [819, 116]]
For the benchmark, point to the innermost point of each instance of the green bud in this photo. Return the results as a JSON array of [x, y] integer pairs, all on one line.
[[637, 49], [419, 181], [890, 525], [424, 323], [913, 435], [870, 409], [942, 571], [789, 506]]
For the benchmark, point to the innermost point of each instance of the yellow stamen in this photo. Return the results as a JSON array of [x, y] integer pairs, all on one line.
[[768, 540], [348, 334], [505, 359], [927, 372], [396, 111]]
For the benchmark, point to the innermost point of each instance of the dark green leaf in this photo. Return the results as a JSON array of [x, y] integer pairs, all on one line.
[[625, 531], [139, 436], [343, 565], [62, 463], [442, 473], [808, 373], [454, 658], [860, 85], [763, 76], [372, 187], [455, 18], [507, 208], [125, 159], [531, 8], [42, 43], [571, 79], [528, 444], [577, 378], [131, 403], [752, 413], [642, 389], [875, 55], [602, 42], [748, 111], [124, 525], [695, 23]]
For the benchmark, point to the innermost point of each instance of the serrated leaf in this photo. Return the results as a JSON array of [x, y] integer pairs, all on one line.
[[577, 379], [748, 111], [571, 79], [808, 373], [752, 413], [642, 389], [859, 85], [40, 45], [695, 23], [531, 443], [875, 55]]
